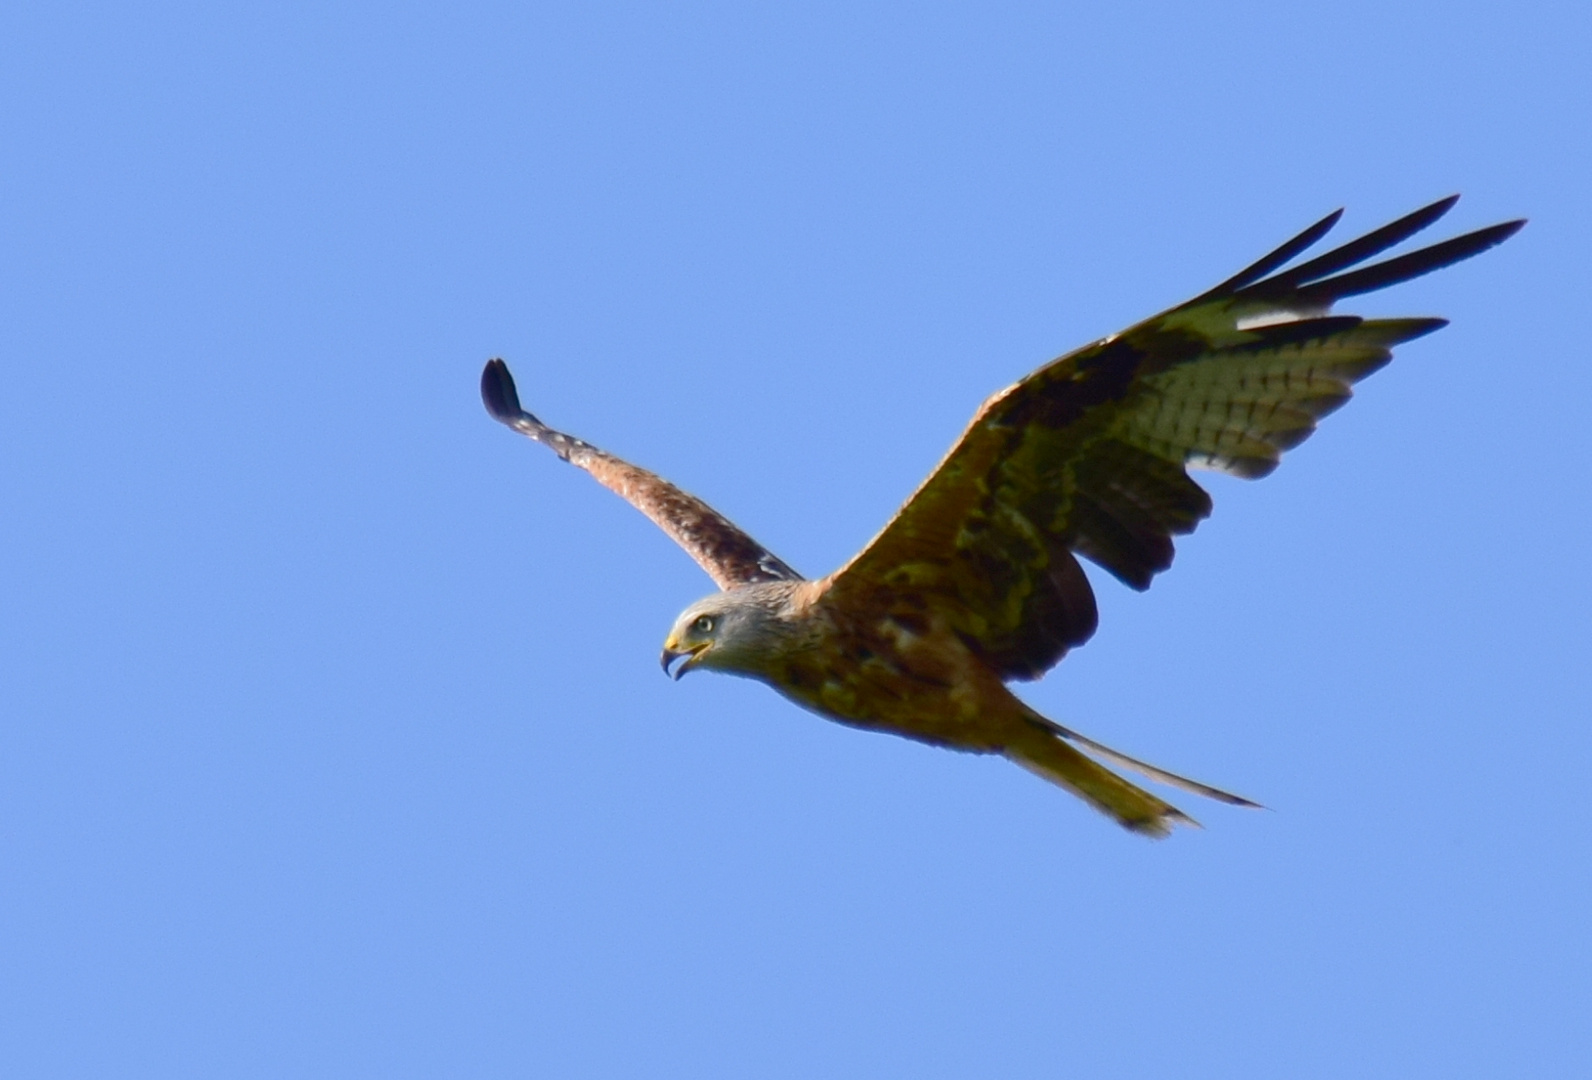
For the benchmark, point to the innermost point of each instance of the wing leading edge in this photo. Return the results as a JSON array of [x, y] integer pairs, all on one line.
[[1090, 454], [729, 556]]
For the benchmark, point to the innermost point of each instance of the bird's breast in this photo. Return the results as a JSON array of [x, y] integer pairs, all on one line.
[[903, 673]]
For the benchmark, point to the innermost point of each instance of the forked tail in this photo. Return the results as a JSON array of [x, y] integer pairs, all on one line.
[[1045, 751]]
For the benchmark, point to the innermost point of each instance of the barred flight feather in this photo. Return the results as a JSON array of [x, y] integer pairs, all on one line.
[[1095, 446], [976, 579]]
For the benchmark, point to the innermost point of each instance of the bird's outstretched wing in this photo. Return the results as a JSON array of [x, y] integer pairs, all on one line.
[[1090, 453], [728, 555]]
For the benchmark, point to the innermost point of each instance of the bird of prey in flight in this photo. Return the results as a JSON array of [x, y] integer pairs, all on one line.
[[976, 580]]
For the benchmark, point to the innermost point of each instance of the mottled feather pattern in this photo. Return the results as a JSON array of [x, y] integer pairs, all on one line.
[[729, 556], [976, 579], [1090, 452]]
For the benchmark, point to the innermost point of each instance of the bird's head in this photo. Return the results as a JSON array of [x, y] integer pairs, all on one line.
[[735, 632]]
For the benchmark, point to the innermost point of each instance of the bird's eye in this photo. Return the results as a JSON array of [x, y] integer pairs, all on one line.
[[703, 625]]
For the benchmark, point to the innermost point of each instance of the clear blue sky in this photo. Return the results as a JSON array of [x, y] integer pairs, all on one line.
[[332, 736]]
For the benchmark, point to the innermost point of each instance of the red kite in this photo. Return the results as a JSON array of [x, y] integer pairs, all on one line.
[[976, 580]]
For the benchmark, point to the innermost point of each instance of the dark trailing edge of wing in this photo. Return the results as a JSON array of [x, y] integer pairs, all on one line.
[[1117, 520]]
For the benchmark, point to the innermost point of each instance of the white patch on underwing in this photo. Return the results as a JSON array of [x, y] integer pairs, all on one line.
[[1281, 316]]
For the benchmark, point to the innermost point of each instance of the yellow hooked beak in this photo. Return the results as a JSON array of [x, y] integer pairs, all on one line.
[[672, 652]]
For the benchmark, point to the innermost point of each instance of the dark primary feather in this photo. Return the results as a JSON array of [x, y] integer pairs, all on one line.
[[1355, 251], [1273, 259], [1090, 454], [1394, 271], [729, 556]]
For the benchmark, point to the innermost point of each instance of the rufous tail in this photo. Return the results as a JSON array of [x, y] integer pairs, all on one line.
[[1044, 750], [1044, 754]]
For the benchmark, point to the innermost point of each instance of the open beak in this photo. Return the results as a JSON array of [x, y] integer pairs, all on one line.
[[671, 655]]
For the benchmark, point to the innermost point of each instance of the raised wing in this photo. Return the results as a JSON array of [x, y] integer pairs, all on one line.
[[1090, 453], [728, 555]]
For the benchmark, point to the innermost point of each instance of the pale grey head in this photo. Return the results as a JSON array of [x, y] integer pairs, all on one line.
[[740, 631]]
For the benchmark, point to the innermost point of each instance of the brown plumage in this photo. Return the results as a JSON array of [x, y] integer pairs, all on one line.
[[975, 581]]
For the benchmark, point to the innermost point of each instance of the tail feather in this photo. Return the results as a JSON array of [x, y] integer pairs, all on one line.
[[1046, 755], [1046, 751], [1154, 772]]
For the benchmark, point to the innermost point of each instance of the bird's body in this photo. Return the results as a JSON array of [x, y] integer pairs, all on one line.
[[975, 581], [883, 672], [904, 673]]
